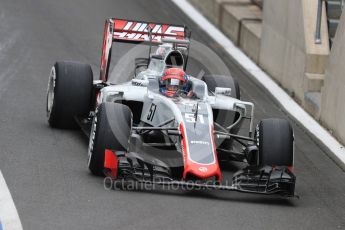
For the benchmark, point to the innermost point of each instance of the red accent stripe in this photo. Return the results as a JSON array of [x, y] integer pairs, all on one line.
[[104, 59], [111, 162], [120, 24], [184, 146], [215, 153]]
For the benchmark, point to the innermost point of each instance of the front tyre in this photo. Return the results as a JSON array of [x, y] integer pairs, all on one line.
[[69, 93], [111, 129], [275, 141]]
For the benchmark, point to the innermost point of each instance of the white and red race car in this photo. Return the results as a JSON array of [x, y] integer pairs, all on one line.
[[137, 133]]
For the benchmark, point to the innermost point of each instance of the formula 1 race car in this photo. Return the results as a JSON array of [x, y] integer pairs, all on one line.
[[136, 132]]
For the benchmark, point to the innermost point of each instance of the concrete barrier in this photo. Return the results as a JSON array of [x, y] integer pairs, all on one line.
[[288, 51], [206, 7], [283, 44], [238, 19], [250, 39], [333, 92], [213, 9], [234, 14]]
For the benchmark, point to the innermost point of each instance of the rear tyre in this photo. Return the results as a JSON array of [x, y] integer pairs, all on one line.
[[275, 142], [69, 93], [111, 129], [213, 81], [224, 118]]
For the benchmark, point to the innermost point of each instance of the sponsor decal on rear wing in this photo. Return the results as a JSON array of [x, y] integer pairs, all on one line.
[[134, 31], [120, 30]]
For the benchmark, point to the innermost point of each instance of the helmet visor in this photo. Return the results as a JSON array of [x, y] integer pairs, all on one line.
[[173, 84]]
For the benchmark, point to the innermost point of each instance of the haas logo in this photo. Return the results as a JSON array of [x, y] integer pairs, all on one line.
[[138, 31], [203, 169]]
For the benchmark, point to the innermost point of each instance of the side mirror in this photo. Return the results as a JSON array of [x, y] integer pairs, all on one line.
[[140, 82], [222, 91]]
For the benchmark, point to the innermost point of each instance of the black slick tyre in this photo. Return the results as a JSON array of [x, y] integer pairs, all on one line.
[[224, 118], [213, 81], [111, 129], [275, 141], [69, 93]]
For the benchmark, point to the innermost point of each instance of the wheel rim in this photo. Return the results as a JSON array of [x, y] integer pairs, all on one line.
[[50, 91]]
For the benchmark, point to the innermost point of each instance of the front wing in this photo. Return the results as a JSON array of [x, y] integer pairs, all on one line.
[[265, 180]]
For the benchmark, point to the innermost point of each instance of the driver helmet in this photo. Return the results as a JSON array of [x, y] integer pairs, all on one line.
[[173, 80]]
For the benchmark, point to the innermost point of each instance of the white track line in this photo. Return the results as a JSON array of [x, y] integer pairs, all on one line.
[[8, 213], [337, 150]]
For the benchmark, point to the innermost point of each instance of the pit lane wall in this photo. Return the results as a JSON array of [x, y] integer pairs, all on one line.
[[280, 39], [288, 50], [333, 91]]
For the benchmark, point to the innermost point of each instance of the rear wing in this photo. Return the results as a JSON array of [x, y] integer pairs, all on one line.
[[137, 32], [134, 31]]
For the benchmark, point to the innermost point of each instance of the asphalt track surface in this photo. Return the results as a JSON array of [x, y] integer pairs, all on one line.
[[46, 169]]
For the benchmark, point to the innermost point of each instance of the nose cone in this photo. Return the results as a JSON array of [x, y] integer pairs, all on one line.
[[202, 171], [199, 152]]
